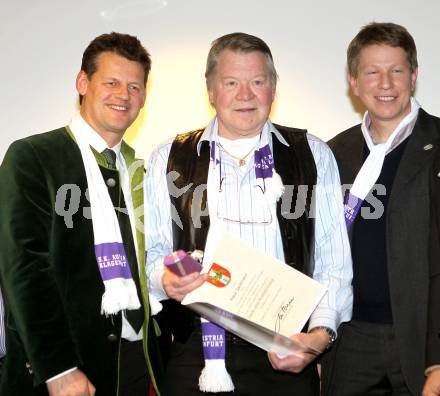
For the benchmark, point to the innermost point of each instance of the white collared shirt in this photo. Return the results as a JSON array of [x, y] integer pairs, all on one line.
[[333, 265], [402, 131]]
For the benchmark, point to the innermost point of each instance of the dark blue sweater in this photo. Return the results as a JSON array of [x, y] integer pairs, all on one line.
[[370, 270]]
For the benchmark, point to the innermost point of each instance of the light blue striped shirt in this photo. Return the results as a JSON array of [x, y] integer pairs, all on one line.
[[332, 257]]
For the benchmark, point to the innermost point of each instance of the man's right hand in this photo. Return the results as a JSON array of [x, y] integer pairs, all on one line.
[[74, 383], [432, 384], [177, 287]]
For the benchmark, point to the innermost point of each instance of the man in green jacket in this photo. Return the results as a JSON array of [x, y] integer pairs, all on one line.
[[71, 259]]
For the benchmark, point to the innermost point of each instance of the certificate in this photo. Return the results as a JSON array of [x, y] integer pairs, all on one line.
[[255, 296]]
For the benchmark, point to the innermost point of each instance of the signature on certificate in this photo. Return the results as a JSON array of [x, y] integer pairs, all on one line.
[[282, 313]]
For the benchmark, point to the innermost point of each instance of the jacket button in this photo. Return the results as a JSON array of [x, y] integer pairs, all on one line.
[[110, 182], [112, 337], [29, 367]]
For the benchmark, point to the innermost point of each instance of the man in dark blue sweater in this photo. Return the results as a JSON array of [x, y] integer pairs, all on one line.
[[387, 161]]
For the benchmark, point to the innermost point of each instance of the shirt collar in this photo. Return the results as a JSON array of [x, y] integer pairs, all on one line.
[[210, 133], [405, 127], [91, 136]]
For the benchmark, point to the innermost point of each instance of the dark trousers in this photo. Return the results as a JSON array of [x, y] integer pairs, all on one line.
[[1, 365], [364, 362], [133, 373], [248, 366]]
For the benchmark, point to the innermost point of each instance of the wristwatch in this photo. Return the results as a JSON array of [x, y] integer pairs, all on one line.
[[331, 334]]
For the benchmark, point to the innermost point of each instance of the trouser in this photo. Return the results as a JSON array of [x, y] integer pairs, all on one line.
[[248, 366], [364, 362], [133, 372], [1, 365]]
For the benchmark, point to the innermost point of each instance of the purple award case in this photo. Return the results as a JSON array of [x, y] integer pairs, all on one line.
[[181, 263]]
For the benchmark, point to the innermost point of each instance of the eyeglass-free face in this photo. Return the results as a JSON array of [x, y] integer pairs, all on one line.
[[241, 93], [384, 83], [112, 96]]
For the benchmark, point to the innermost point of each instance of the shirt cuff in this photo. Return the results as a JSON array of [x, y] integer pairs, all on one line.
[[324, 317], [61, 374], [430, 369], [156, 286]]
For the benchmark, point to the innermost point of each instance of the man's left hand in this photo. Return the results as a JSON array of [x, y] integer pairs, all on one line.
[[317, 340]]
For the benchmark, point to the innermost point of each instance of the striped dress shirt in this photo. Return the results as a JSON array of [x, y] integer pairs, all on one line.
[[333, 265]]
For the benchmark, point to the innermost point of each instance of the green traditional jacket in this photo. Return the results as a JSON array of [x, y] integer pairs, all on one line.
[[49, 273]]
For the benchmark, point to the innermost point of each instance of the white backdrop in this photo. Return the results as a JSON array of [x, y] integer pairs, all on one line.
[[42, 42]]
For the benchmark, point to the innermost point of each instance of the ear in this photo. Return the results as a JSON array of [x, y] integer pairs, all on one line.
[[211, 96], [82, 82], [353, 84], [144, 97], [414, 75], [273, 93]]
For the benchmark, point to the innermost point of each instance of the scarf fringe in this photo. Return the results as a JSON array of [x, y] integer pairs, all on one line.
[[215, 378], [119, 294], [274, 187]]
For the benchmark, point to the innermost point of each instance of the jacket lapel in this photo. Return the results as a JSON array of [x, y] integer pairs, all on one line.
[[418, 154], [351, 160], [135, 169]]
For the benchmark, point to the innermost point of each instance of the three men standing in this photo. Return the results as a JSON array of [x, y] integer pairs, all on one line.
[[72, 257]]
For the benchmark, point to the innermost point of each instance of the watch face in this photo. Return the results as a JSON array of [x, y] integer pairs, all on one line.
[[331, 334]]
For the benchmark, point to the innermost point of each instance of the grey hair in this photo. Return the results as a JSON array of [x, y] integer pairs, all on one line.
[[238, 42]]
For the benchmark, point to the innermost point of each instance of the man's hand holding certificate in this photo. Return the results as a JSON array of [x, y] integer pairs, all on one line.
[[256, 297]]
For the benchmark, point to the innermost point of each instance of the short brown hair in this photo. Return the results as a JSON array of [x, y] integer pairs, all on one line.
[[121, 44], [239, 42], [381, 33]]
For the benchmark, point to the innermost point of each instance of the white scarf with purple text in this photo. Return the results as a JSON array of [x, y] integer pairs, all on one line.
[[120, 290], [372, 167]]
